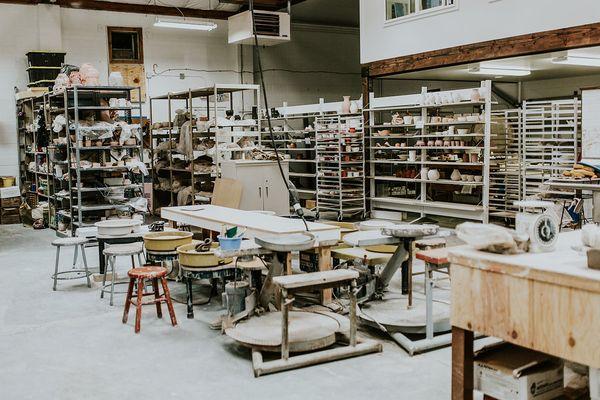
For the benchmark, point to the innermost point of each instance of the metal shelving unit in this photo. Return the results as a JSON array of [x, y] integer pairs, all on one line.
[[430, 136], [340, 156], [210, 103], [81, 194], [505, 167], [551, 137]]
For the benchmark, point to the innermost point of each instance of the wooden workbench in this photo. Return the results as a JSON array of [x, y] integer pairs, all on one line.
[[549, 302], [212, 217]]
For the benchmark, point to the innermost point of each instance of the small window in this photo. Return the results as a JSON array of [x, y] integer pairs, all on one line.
[[403, 8], [125, 45]]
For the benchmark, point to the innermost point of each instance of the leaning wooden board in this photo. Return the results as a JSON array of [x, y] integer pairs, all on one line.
[[547, 302]]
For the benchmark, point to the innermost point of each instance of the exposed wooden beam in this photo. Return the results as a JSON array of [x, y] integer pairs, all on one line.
[[129, 8], [534, 43]]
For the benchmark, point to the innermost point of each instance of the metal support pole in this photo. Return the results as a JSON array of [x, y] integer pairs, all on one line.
[[352, 296], [285, 349]]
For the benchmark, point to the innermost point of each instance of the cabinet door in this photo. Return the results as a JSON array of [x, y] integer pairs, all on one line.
[[254, 187], [276, 196]]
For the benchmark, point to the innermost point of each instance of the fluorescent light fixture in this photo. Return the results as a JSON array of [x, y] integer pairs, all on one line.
[[500, 71], [183, 23], [577, 60]]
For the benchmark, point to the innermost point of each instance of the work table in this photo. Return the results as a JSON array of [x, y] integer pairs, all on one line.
[[549, 302]]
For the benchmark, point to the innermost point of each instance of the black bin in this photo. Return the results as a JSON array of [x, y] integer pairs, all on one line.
[[45, 59], [42, 73]]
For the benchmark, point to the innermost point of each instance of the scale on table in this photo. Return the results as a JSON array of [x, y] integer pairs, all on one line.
[[539, 221]]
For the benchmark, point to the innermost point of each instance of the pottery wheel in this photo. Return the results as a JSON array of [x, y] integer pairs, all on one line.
[[307, 331], [287, 243], [410, 230]]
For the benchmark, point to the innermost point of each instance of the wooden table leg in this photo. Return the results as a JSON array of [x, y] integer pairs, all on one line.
[[288, 264], [462, 364], [325, 264]]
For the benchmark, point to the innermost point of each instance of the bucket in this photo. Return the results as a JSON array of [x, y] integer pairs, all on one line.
[[8, 181], [230, 243], [234, 298]]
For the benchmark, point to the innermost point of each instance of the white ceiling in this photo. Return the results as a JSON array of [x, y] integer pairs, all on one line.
[[540, 64]]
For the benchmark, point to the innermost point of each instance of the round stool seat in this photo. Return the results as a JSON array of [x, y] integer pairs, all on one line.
[[128, 249], [69, 241], [147, 272]]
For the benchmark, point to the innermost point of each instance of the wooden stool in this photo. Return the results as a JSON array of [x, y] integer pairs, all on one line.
[[139, 275], [76, 242]]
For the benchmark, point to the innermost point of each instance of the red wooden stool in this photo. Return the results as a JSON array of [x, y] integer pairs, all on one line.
[[140, 275]]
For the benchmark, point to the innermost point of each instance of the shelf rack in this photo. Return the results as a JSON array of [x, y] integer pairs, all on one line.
[[340, 159], [505, 167], [398, 153], [79, 193], [214, 101], [295, 136], [551, 138]]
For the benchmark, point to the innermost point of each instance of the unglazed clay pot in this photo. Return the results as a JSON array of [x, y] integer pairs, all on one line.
[[433, 175], [475, 96], [455, 175]]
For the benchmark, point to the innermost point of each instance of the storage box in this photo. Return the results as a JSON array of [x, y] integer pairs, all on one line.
[[42, 73], [11, 191], [595, 383], [10, 219], [509, 372], [7, 181], [8, 212], [46, 58], [10, 202]]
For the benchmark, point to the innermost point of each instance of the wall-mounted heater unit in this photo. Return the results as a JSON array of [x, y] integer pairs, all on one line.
[[272, 28]]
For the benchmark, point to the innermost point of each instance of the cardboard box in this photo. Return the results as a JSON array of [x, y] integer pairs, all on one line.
[[595, 383], [509, 372], [10, 202], [8, 192]]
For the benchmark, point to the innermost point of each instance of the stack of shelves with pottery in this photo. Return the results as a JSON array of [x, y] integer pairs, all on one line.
[[430, 153], [551, 137], [295, 137], [505, 164], [340, 165], [32, 154], [202, 130], [96, 155]]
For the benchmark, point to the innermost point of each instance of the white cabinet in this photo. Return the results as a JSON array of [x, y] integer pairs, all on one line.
[[263, 187]]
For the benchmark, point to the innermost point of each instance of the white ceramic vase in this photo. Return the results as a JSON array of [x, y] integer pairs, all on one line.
[[424, 173], [346, 105], [475, 97], [353, 107], [433, 175]]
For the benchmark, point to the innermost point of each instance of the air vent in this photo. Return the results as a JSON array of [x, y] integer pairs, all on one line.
[[271, 27]]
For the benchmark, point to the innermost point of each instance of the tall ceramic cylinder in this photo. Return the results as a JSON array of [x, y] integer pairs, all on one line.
[[346, 105]]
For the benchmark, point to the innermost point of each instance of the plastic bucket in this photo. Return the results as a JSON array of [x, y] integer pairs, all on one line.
[[230, 243]]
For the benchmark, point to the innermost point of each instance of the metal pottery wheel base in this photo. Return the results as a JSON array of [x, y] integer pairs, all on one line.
[[307, 331], [200, 292]]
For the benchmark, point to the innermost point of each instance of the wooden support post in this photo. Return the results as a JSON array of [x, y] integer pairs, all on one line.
[[462, 364], [288, 264], [325, 263]]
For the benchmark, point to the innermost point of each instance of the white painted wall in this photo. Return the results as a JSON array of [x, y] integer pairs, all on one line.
[[473, 21], [318, 62]]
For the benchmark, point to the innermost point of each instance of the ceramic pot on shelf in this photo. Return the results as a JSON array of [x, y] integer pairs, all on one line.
[[346, 105], [455, 175], [353, 107], [433, 175], [475, 96], [424, 173]]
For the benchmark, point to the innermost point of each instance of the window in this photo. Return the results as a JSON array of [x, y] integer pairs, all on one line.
[[125, 45], [403, 8]]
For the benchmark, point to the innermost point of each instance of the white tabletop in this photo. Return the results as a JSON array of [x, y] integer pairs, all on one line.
[[214, 217], [92, 232]]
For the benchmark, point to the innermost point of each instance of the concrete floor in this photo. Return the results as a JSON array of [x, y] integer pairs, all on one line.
[[70, 344]]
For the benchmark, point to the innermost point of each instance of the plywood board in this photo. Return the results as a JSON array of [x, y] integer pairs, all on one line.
[[133, 75], [554, 319], [227, 193]]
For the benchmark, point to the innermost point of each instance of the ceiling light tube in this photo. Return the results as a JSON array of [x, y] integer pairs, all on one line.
[[182, 23], [497, 71], [577, 60]]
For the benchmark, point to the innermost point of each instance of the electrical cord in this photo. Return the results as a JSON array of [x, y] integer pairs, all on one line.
[[290, 187]]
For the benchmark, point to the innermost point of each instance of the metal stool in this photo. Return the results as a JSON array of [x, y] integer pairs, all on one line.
[[77, 242], [111, 253], [139, 275]]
